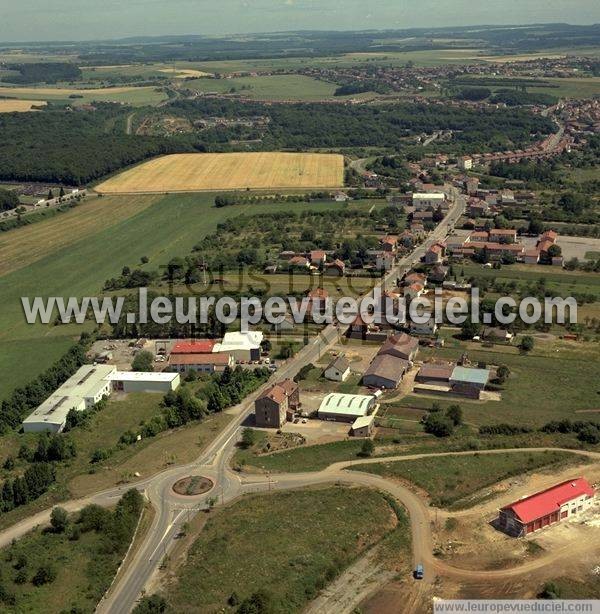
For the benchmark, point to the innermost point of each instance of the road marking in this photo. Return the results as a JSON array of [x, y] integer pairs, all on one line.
[[169, 527]]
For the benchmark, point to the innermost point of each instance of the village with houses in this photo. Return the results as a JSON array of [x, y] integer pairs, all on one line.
[[164, 451]]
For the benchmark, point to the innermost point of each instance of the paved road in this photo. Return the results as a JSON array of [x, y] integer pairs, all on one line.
[[172, 510], [214, 462], [172, 514]]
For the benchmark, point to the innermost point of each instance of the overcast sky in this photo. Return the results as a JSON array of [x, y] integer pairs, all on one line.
[[39, 20]]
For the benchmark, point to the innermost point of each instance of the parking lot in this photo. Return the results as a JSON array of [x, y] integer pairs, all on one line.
[[318, 431]]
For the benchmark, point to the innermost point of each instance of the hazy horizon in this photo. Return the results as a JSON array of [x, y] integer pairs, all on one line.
[[81, 20]]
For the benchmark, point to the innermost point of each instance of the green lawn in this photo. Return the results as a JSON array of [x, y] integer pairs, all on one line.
[[305, 458], [84, 567], [451, 481], [562, 87], [288, 544], [318, 457], [168, 227]]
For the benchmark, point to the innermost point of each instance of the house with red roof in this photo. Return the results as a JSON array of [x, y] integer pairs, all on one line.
[[389, 243], [547, 507], [435, 254], [194, 346], [414, 290], [317, 257], [276, 405], [337, 268], [503, 235], [299, 262]]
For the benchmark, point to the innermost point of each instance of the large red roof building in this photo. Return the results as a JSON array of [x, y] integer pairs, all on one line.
[[546, 507], [194, 346]]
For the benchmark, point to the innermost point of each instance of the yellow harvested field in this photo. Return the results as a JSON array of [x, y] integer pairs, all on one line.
[[182, 73], [229, 171], [19, 106]]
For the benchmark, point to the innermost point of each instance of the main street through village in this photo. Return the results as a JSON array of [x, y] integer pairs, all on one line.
[[172, 511]]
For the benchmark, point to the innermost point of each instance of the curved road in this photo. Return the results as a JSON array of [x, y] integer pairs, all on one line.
[[172, 510]]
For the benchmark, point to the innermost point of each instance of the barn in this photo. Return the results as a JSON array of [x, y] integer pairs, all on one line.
[[546, 507]]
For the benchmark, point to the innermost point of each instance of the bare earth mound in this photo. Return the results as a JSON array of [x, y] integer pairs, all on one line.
[[229, 171]]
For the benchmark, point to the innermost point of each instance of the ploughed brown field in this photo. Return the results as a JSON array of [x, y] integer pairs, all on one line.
[[229, 171]]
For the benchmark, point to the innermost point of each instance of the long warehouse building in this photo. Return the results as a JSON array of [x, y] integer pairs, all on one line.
[[90, 384], [81, 391]]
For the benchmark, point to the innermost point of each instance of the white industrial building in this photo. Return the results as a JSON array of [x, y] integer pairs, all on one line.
[[428, 200], [346, 407], [90, 384], [81, 391], [243, 346], [140, 381]]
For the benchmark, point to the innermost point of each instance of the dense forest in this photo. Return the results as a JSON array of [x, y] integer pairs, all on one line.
[[514, 98], [75, 148], [340, 125], [8, 200], [72, 148], [42, 72]]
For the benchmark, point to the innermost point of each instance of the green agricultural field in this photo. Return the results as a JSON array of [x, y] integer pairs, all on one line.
[[561, 281], [426, 57], [134, 96], [77, 263], [451, 481], [267, 87], [562, 87], [288, 544], [556, 380], [82, 563]]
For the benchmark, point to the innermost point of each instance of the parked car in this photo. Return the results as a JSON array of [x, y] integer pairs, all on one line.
[[419, 572]]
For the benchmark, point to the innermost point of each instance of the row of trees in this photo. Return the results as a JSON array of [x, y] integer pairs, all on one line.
[[232, 386], [23, 400], [587, 431], [20, 490]]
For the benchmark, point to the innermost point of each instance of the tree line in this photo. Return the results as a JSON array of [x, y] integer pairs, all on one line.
[[307, 125], [26, 398], [42, 72], [73, 148]]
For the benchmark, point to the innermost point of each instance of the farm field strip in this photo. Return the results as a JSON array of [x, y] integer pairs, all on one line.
[[26, 245], [229, 171], [268, 87], [77, 261], [19, 106], [125, 94]]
